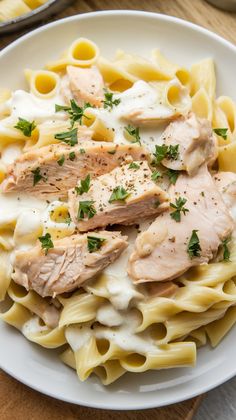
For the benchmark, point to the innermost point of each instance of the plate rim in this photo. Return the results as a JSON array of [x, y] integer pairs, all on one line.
[[93, 15]]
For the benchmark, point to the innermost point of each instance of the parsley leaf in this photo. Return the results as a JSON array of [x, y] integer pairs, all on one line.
[[68, 137], [72, 156], [222, 132], [160, 153], [173, 152], [38, 176], [109, 102], [134, 165], [111, 152], [46, 242], [94, 243], [82, 151], [86, 208], [169, 152], [156, 175], [194, 245], [25, 126], [226, 251], [172, 175], [61, 160], [178, 206], [75, 111], [133, 132], [84, 185], [118, 194]]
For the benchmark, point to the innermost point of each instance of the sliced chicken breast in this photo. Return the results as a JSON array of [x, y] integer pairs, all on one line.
[[164, 251], [142, 198], [70, 263], [194, 140], [226, 184], [164, 289], [84, 85], [40, 173]]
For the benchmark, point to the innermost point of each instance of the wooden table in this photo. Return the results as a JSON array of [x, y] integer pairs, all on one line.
[[17, 402]]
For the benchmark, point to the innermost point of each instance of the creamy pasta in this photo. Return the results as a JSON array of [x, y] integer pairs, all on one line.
[[10, 9], [84, 122]]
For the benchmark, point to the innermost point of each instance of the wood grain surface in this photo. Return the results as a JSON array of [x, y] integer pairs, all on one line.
[[18, 402]]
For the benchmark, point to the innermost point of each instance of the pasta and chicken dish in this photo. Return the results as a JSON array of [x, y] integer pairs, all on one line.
[[118, 209]]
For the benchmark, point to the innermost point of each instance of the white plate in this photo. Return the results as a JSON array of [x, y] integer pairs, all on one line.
[[136, 32]]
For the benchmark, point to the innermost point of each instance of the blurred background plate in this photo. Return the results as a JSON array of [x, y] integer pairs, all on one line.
[[29, 19]]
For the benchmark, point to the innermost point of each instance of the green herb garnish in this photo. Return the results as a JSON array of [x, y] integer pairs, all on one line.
[[68, 137], [38, 176], [86, 208], [84, 185], [134, 165], [75, 111], [118, 194], [133, 133], [94, 243], [156, 175], [46, 242], [25, 126], [109, 102], [194, 245], [61, 160], [168, 152], [222, 132], [72, 156], [178, 206], [226, 251], [111, 152], [172, 175], [82, 151]]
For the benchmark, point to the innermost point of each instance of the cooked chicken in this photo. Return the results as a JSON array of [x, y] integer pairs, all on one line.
[[226, 184], [84, 85], [39, 172], [142, 198], [164, 289], [195, 140], [73, 260], [169, 247]]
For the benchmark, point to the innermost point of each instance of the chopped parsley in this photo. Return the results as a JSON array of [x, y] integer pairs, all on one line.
[[172, 175], [82, 151], [194, 245], [109, 102], [68, 137], [133, 133], [72, 156], [61, 160], [156, 175], [75, 111], [94, 243], [178, 206], [173, 152], [160, 153], [25, 126], [38, 176], [166, 152], [222, 132], [46, 242], [226, 251], [118, 194], [112, 152], [86, 208], [84, 185], [134, 165]]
